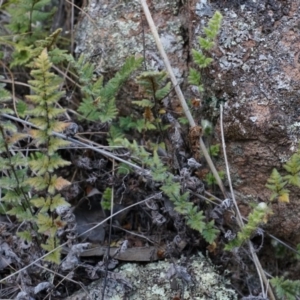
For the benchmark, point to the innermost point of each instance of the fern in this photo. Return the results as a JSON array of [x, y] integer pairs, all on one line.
[[210, 178], [286, 289], [43, 163], [258, 216], [173, 190], [99, 101], [206, 44], [276, 184], [15, 192], [106, 199], [293, 167], [29, 22]]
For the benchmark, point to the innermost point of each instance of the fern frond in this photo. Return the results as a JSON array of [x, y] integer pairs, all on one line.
[[54, 256], [210, 232], [25, 235], [21, 214], [161, 93], [41, 164], [258, 216], [99, 101], [286, 289], [293, 167], [194, 77], [200, 59], [152, 81], [276, 184]]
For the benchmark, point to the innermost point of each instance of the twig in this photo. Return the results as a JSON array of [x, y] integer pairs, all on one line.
[[179, 93]]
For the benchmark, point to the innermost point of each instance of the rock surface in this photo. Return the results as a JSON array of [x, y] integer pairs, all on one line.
[[256, 70], [193, 278]]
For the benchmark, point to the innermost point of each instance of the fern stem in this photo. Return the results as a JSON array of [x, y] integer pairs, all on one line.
[[179, 93]]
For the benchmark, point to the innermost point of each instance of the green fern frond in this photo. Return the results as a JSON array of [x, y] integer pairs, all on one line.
[[213, 28], [152, 82], [4, 94], [13, 196], [161, 93], [286, 289], [293, 167], [276, 184], [258, 216], [41, 164], [112, 87], [49, 203], [99, 101], [46, 224], [29, 17], [25, 235], [196, 219], [106, 198], [20, 213], [206, 44], [54, 256], [200, 59], [210, 232], [194, 77]]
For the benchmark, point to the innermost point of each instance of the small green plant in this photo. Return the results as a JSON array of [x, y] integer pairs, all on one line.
[[30, 21], [99, 101], [276, 184], [258, 216], [286, 289], [106, 199], [211, 180], [206, 44], [173, 190], [35, 199], [43, 163], [14, 167]]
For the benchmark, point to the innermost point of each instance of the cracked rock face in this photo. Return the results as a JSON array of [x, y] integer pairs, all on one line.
[[115, 30], [256, 70]]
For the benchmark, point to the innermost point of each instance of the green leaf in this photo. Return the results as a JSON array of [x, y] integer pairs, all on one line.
[[286, 289], [194, 77], [161, 93], [21, 214], [25, 235], [45, 224], [214, 150], [276, 185], [196, 221], [50, 245], [106, 198], [209, 232]]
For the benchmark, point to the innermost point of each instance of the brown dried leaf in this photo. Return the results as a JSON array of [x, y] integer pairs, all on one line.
[[61, 183]]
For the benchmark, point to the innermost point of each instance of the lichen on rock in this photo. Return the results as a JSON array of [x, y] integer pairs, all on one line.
[[115, 30], [187, 278]]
